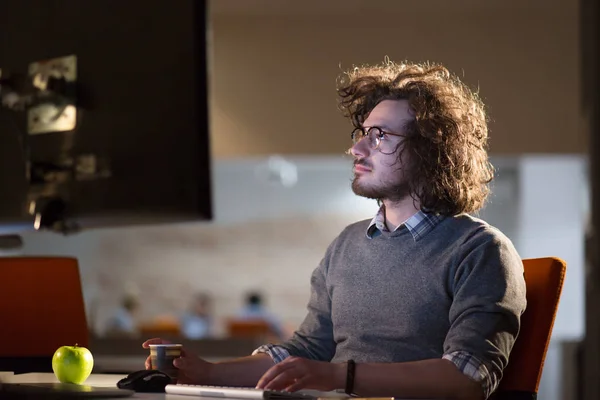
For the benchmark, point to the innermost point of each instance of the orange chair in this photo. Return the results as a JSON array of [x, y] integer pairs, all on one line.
[[544, 280], [42, 308], [164, 326], [248, 329]]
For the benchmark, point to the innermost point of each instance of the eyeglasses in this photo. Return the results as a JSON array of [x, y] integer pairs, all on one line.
[[374, 135]]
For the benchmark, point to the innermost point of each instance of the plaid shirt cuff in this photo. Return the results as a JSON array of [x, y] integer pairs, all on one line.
[[475, 369], [277, 353]]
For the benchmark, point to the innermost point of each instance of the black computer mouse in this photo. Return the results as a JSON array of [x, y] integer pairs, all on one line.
[[146, 380]]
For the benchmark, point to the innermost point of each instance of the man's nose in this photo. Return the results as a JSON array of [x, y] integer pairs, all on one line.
[[360, 149]]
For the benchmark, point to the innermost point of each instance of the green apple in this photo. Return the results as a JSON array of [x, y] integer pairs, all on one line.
[[72, 364]]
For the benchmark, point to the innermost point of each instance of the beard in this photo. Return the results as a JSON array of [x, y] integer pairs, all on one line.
[[392, 191]]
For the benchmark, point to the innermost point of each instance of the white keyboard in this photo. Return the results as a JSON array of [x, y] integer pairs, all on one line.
[[246, 393]]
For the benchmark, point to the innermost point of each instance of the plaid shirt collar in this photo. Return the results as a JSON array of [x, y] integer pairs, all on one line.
[[419, 225]]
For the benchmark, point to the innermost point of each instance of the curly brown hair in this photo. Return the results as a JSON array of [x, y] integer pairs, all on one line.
[[447, 139]]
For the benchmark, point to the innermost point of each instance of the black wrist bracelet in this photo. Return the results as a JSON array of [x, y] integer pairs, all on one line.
[[350, 377]]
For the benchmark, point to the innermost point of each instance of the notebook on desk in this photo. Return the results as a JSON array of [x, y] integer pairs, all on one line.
[[248, 393]]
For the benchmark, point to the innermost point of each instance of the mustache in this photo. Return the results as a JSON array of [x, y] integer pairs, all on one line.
[[362, 163]]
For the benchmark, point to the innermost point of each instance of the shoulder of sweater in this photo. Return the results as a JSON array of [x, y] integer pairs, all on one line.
[[480, 239], [350, 232], [359, 227], [475, 230]]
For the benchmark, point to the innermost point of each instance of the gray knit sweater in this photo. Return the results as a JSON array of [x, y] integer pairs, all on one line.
[[393, 298]]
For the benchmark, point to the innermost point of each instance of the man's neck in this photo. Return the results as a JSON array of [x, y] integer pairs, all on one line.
[[396, 212]]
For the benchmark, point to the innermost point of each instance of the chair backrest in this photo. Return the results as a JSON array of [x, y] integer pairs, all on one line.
[[163, 326], [544, 282], [42, 306], [251, 328]]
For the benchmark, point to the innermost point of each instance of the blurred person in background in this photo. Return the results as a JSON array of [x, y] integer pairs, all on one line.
[[255, 309], [196, 323], [123, 321]]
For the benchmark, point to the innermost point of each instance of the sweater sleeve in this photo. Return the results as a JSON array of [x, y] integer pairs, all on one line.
[[314, 338], [488, 289]]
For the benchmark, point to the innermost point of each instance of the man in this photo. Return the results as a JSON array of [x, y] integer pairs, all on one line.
[[424, 300]]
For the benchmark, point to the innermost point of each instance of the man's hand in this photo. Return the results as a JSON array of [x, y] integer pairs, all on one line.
[[192, 369], [295, 373]]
